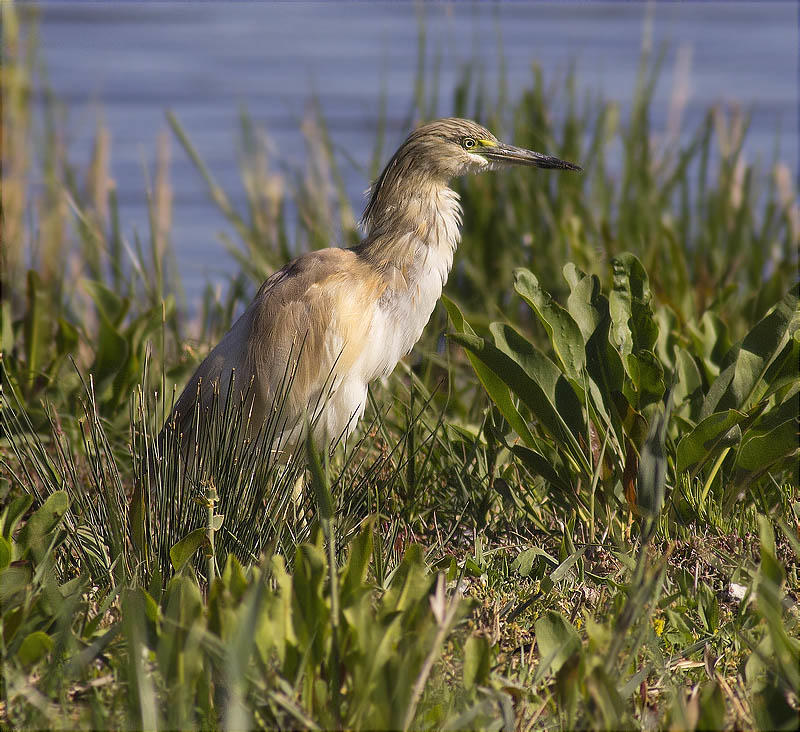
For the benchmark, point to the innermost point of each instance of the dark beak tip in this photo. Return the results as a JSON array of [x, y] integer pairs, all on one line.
[[549, 161], [566, 165], [520, 156]]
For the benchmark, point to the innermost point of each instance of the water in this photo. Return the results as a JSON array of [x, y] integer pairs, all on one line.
[[131, 61]]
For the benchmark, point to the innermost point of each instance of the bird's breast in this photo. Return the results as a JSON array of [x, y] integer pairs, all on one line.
[[405, 308], [410, 253]]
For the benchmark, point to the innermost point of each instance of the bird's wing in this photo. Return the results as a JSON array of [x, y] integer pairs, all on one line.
[[316, 308], [227, 358], [313, 321]]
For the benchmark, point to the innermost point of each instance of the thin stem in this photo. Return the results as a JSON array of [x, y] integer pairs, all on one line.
[[433, 654]]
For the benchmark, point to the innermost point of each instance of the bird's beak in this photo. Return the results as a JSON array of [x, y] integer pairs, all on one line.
[[510, 155]]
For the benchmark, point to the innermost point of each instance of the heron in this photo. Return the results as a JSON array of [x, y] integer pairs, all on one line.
[[342, 318]]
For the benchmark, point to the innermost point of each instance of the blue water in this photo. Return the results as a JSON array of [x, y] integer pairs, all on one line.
[[131, 61]]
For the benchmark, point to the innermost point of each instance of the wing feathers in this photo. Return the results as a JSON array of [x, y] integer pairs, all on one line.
[[318, 307]]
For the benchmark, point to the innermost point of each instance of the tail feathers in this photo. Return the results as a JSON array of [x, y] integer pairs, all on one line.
[[225, 366]]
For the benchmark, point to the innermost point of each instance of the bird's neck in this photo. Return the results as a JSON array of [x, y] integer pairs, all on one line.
[[409, 227]]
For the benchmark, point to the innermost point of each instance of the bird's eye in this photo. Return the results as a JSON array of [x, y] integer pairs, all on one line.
[[468, 143]]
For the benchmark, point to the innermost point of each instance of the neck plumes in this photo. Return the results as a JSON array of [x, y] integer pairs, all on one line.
[[412, 233], [410, 216]]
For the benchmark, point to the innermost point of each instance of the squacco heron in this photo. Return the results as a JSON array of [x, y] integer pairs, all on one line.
[[341, 318]]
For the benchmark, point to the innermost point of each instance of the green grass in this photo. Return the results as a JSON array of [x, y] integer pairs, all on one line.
[[580, 509]]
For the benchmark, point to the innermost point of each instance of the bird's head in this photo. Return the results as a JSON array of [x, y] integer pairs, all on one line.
[[436, 152], [447, 148]]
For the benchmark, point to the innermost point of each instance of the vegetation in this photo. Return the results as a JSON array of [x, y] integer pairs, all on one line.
[[581, 509]]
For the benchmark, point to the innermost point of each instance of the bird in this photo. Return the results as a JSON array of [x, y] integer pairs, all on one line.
[[336, 319]]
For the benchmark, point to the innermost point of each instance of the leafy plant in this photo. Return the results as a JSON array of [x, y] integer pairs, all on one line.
[[588, 417]]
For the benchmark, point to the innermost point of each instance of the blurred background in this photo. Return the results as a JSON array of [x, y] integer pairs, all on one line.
[[366, 68], [159, 160]]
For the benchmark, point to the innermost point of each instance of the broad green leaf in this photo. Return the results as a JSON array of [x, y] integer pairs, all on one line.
[[183, 550], [34, 648], [356, 568], [472, 568], [604, 364], [66, 337], [523, 563], [492, 383], [772, 710], [233, 577], [319, 478], [784, 372], [765, 449], [151, 609], [689, 382], [183, 601], [538, 464], [560, 572], [13, 513], [544, 373], [569, 689], [584, 301], [5, 553], [771, 417], [134, 627], [7, 334], [108, 303], [602, 691], [633, 327], [557, 640], [647, 377], [715, 431], [710, 342], [653, 468], [668, 329], [44, 520], [111, 352], [472, 434], [14, 579], [410, 582], [634, 331], [476, 661], [565, 335], [527, 389], [589, 308], [747, 362], [239, 649], [309, 609], [281, 615]]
